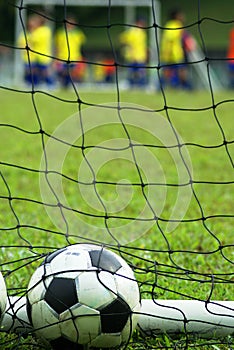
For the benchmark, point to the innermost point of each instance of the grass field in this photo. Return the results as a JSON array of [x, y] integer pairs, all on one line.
[[193, 261]]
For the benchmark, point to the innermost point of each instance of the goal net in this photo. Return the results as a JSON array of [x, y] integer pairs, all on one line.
[[126, 149]]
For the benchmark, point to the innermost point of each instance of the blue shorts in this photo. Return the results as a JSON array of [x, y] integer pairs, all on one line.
[[231, 66], [135, 66]]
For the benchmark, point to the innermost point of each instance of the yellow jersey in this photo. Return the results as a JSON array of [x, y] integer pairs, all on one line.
[[42, 43], [134, 41], [68, 46], [26, 56], [171, 50]]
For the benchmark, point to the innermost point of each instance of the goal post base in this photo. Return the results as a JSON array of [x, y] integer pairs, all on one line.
[[205, 319]]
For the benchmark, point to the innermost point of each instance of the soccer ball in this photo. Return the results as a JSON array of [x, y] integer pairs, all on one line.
[[15, 318], [3, 296], [85, 295]]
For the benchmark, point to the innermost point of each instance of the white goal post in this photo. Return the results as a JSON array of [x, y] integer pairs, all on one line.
[[203, 319], [130, 13]]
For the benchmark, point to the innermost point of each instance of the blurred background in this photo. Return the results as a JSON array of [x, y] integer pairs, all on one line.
[[211, 33]]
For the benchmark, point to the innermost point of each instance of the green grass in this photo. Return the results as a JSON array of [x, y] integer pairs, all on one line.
[[187, 257]]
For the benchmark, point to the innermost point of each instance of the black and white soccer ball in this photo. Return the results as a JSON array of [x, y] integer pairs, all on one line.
[[3, 296], [83, 296]]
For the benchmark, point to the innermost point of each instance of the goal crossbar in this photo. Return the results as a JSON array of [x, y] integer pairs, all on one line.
[[103, 3]]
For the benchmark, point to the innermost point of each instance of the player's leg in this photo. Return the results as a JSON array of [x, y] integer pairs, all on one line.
[[183, 75], [141, 77], [30, 74], [231, 74], [45, 75], [131, 74]]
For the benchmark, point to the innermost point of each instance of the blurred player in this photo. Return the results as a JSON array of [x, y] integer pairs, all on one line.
[[104, 71], [37, 60], [134, 43], [109, 69], [68, 44], [174, 45], [28, 57], [42, 41], [230, 56]]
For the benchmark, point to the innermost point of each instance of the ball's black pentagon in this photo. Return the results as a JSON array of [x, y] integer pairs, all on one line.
[[114, 316], [105, 260], [61, 294], [62, 343], [51, 256]]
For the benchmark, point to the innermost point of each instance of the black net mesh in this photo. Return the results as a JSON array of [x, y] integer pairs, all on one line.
[[135, 157]]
